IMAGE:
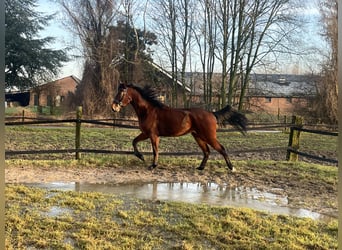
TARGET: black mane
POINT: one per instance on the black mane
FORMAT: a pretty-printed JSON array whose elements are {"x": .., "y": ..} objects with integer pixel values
[{"x": 149, "y": 94}]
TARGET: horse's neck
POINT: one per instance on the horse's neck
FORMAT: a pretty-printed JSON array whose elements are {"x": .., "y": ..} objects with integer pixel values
[{"x": 140, "y": 105}]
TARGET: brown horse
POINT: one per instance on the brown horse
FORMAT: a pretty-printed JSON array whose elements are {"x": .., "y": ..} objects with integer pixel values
[{"x": 156, "y": 119}]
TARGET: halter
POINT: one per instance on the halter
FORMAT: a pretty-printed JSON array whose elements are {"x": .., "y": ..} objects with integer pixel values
[{"x": 123, "y": 93}]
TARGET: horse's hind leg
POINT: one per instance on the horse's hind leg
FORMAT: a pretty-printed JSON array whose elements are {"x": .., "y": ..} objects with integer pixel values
[
  {"x": 155, "y": 144},
  {"x": 137, "y": 139},
  {"x": 205, "y": 148},
  {"x": 220, "y": 148}
]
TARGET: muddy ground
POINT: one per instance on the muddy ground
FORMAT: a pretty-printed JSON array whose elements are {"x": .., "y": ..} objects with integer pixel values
[{"x": 302, "y": 193}]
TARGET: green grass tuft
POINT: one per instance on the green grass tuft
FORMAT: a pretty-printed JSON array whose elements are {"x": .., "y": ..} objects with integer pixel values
[{"x": 100, "y": 221}]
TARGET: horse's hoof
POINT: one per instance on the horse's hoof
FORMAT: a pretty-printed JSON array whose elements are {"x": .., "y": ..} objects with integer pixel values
[
  {"x": 200, "y": 168},
  {"x": 140, "y": 156},
  {"x": 153, "y": 166},
  {"x": 233, "y": 169}
]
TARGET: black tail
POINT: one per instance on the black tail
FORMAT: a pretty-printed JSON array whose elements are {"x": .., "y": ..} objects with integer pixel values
[{"x": 233, "y": 117}]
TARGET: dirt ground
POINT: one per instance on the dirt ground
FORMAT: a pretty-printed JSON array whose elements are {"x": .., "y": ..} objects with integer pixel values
[{"x": 301, "y": 193}]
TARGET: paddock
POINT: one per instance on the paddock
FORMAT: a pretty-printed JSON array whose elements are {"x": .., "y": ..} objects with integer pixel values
[{"x": 105, "y": 160}]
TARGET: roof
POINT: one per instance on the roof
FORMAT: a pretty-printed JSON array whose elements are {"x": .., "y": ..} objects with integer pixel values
[
  {"x": 270, "y": 85},
  {"x": 119, "y": 59},
  {"x": 281, "y": 85},
  {"x": 76, "y": 79},
  {"x": 65, "y": 81},
  {"x": 12, "y": 89},
  {"x": 15, "y": 89},
  {"x": 167, "y": 74}
]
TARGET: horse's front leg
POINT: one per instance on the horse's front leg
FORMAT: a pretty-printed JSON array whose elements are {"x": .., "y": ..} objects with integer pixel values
[
  {"x": 155, "y": 144},
  {"x": 137, "y": 139}
]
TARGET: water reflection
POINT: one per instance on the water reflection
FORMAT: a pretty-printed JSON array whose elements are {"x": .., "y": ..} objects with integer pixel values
[{"x": 210, "y": 193}]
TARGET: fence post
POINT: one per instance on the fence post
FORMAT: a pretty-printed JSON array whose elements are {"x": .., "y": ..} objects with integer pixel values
[
  {"x": 285, "y": 122},
  {"x": 23, "y": 116},
  {"x": 297, "y": 121},
  {"x": 78, "y": 131}
]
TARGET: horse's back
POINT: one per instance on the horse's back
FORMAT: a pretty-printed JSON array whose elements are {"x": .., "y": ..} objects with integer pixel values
[
  {"x": 202, "y": 120},
  {"x": 173, "y": 122},
  {"x": 176, "y": 122}
]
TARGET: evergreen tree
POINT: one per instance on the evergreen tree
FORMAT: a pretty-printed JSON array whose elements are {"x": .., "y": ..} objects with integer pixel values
[{"x": 28, "y": 60}]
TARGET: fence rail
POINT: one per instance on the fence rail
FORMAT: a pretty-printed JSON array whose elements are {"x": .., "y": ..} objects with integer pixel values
[
  {"x": 292, "y": 149},
  {"x": 320, "y": 132},
  {"x": 294, "y": 139},
  {"x": 315, "y": 157},
  {"x": 123, "y": 152},
  {"x": 125, "y": 123}
]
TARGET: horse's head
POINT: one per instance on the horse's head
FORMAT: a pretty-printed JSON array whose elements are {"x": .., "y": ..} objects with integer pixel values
[{"x": 122, "y": 98}]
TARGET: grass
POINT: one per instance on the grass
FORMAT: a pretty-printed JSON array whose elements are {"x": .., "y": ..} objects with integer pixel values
[
  {"x": 33, "y": 111},
  {"x": 89, "y": 220},
  {"x": 42, "y": 219}
]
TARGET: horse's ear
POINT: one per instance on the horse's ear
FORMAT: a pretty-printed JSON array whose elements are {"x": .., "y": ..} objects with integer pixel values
[{"x": 122, "y": 86}]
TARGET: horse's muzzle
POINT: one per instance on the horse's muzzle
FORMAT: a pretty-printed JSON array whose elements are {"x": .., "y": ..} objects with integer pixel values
[{"x": 116, "y": 107}]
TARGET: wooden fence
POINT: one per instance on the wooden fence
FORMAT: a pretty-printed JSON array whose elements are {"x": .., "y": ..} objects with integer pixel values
[
  {"x": 294, "y": 141},
  {"x": 292, "y": 149}
]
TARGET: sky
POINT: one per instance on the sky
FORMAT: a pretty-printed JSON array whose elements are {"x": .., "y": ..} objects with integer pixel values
[{"x": 64, "y": 39}]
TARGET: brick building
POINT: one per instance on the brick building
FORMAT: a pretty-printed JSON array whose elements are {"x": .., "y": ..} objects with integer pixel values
[
  {"x": 53, "y": 93},
  {"x": 284, "y": 94},
  {"x": 281, "y": 94}
]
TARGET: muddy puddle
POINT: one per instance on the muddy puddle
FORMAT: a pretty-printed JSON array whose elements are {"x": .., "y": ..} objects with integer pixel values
[{"x": 273, "y": 201}]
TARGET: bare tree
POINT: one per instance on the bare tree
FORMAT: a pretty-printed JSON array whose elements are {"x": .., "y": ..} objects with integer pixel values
[
  {"x": 249, "y": 30},
  {"x": 205, "y": 32},
  {"x": 90, "y": 21},
  {"x": 163, "y": 16},
  {"x": 132, "y": 37},
  {"x": 222, "y": 23},
  {"x": 239, "y": 33},
  {"x": 173, "y": 22},
  {"x": 270, "y": 23},
  {"x": 212, "y": 34},
  {"x": 186, "y": 29},
  {"x": 328, "y": 89},
  {"x": 185, "y": 22}
]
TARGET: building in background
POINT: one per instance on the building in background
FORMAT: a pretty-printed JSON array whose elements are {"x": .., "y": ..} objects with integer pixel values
[
  {"x": 54, "y": 93},
  {"x": 281, "y": 94}
]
